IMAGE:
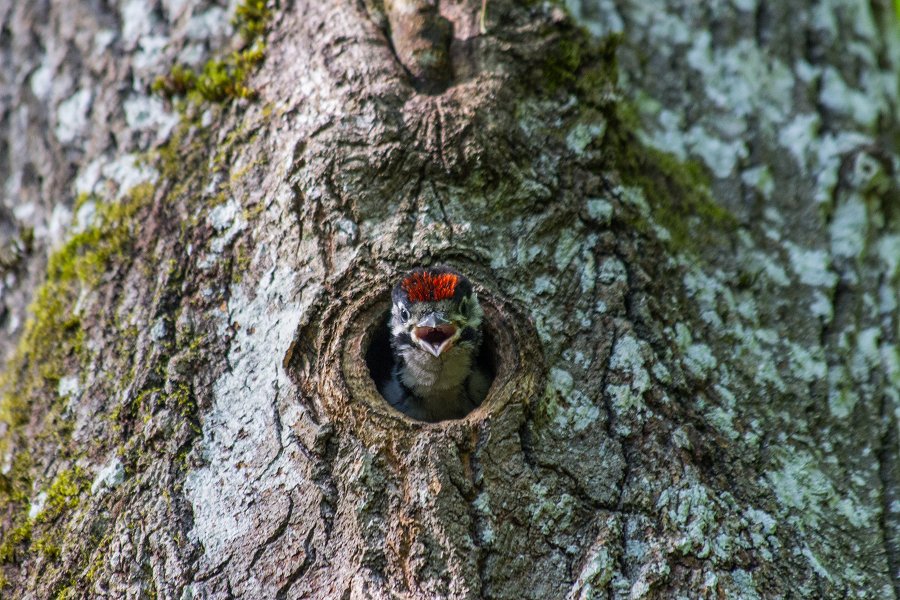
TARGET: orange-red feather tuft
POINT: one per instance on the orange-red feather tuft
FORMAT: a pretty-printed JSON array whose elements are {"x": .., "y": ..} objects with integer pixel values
[{"x": 423, "y": 287}]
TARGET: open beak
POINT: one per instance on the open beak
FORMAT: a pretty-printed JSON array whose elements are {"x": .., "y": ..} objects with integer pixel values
[{"x": 435, "y": 333}]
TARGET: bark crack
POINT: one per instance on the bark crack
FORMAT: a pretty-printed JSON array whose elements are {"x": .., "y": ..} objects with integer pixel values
[
  {"x": 526, "y": 443},
  {"x": 449, "y": 224},
  {"x": 472, "y": 467},
  {"x": 439, "y": 134},
  {"x": 302, "y": 568},
  {"x": 276, "y": 420},
  {"x": 279, "y": 531},
  {"x": 888, "y": 468}
]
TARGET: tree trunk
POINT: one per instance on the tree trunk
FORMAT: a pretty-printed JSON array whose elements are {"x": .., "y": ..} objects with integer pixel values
[{"x": 682, "y": 220}]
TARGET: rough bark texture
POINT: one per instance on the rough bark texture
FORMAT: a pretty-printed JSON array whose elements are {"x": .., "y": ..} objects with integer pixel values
[{"x": 682, "y": 219}]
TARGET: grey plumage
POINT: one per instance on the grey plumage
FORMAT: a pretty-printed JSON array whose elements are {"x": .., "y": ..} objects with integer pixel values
[{"x": 435, "y": 339}]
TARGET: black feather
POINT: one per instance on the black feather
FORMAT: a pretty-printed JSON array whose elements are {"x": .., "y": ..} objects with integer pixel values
[{"x": 470, "y": 334}]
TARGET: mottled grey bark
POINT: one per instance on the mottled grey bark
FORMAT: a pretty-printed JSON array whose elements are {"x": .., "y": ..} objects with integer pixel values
[{"x": 682, "y": 220}]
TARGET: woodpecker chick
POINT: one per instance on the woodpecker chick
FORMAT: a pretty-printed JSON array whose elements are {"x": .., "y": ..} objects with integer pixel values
[{"x": 435, "y": 327}]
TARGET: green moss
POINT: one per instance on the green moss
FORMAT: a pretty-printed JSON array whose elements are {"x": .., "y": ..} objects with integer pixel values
[
  {"x": 143, "y": 402},
  {"x": 250, "y": 213},
  {"x": 577, "y": 62},
  {"x": 87, "y": 254},
  {"x": 62, "y": 497},
  {"x": 96, "y": 563},
  {"x": 223, "y": 158},
  {"x": 17, "y": 536},
  {"x": 562, "y": 65},
  {"x": 182, "y": 400},
  {"x": 79, "y": 580},
  {"x": 240, "y": 264},
  {"x": 54, "y": 339},
  {"x": 251, "y": 18},
  {"x": 54, "y": 343},
  {"x": 80, "y": 200},
  {"x": 178, "y": 82},
  {"x": 67, "y": 593},
  {"x": 47, "y": 546},
  {"x": 181, "y": 155},
  {"x": 678, "y": 192},
  {"x": 222, "y": 79},
  {"x": 14, "y": 486},
  {"x": 52, "y": 346},
  {"x": 14, "y": 501}
]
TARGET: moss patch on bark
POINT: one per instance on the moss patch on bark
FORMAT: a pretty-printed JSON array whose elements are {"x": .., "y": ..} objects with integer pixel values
[
  {"x": 223, "y": 78},
  {"x": 52, "y": 346}
]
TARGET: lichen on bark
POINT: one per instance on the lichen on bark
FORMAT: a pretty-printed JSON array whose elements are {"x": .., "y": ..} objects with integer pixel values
[
  {"x": 703, "y": 385},
  {"x": 102, "y": 368}
]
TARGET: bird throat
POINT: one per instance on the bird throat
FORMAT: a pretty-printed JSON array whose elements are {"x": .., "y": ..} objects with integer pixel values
[{"x": 436, "y": 379}]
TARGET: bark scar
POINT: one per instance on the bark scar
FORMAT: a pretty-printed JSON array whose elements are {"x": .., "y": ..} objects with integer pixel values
[{"x": 420, "y": 38}]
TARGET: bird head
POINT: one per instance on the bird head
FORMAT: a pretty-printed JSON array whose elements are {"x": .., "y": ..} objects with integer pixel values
[{"x": 435, "y": 310}]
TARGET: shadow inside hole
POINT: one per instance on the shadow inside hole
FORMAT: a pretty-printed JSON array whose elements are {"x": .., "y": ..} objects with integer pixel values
[{"x": 380, "y": 356}]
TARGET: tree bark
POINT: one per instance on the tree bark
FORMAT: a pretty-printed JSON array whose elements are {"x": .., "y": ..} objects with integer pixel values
[{"x": 682, "y": 221}]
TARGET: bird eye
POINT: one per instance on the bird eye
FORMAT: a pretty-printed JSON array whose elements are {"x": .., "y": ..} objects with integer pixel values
[{"x": 404, "y": 314}]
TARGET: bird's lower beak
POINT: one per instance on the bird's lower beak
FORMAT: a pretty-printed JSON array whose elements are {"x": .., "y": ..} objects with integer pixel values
[{"x": 435, "y": 333}]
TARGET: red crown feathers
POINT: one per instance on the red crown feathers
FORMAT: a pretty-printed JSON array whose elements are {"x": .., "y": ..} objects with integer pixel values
[{"x": 422, "y": 287}]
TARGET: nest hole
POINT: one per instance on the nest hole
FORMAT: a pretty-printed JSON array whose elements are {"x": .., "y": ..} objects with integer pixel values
[{"x": 379, "y": 357}]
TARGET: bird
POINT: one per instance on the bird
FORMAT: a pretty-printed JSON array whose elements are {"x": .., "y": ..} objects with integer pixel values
[{"x": 435, "y": 327}]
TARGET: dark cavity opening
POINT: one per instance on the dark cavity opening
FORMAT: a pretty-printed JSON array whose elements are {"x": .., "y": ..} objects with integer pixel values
[{"x": 380, "y": 357}]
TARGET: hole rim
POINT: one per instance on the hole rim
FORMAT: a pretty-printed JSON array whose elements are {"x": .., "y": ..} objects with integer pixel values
[{"x": 510, "y": 338}]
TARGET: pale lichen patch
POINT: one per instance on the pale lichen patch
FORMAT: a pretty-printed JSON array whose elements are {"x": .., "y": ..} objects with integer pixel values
[
  {"x": 240, "y": 433},
  {"x": 482, "y": 504},
  {"x": 596, "y": 573},
  {"x": 797, "y": 136},
  {"x": 574, "y": 412},
  {"x": 72, "y": 116},
  {"x": 37, "y": 505},
  {"x": 888, "y": 249},
  {"x": 149, "y": 113},
  {"x": 849, "y": 227},
  {"x": 760, "y": 178},
  {"x": 599, "y": 210},
  {"x": 700, "y": 360},
  {"x": 806, "y": 365},
  {"x": 550, "y": 512},
  {"x": 567, "y": 247},
  {"x": 611, "y": 271},
  {"x": 631, "y": 381},
  {"x": 821, "y": 306},
  {"x": 809, "y": 493},
  {"x": 778, "y": 344},
  {"x": 584, "y": 134},
  {"x": 109, "y": 477},
  {"x": 114, "y": 177},
  {"x": 69, "y": 387},
  {"x": 812, "y": 266},
  {"x": 846, "y": 100}
]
